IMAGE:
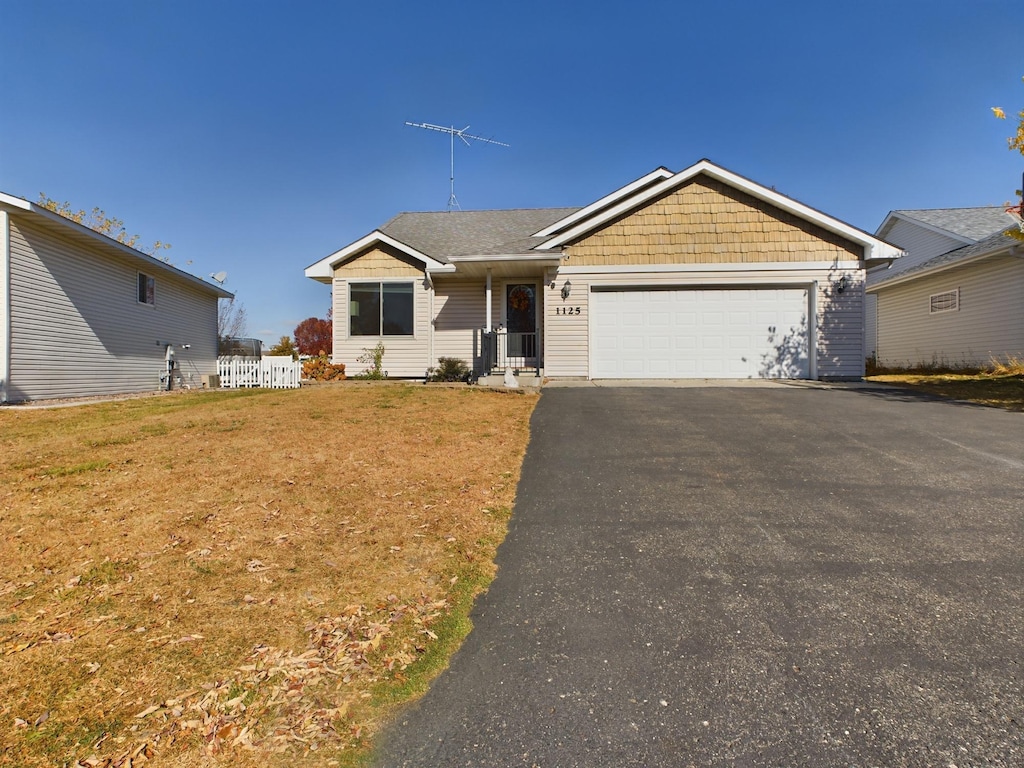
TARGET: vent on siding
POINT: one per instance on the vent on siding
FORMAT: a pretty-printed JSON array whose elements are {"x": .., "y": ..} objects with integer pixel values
[{"x": 944, "y": 302}]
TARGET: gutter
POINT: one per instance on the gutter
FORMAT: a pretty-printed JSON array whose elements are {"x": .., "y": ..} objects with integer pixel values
[{"x": 913, "y": 274}]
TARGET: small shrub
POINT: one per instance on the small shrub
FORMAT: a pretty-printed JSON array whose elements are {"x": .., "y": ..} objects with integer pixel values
[
  {"x": 320, "y": 368},
  {"x": 449, "y": 369},
  {"x": 374, "y": 359}
]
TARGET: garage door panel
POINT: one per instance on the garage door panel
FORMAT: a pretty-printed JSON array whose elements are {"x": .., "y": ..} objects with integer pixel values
[{"x": 705, "y": 333}]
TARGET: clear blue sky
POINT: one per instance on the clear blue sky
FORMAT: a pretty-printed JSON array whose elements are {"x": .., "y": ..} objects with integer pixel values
[{"x": 259, "y": 137}]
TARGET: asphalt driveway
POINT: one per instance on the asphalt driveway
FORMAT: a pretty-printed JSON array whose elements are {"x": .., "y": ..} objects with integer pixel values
[{"x": 753, "y": 577}]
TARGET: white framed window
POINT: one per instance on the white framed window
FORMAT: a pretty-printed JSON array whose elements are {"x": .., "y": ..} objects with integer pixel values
[
  {"x": 147, "y": 289},
  {"x": 948, "y": 301},
  {"x": 380, "y": 309}
]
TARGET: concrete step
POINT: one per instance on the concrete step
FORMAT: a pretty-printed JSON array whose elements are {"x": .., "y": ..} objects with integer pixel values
[{"x": 526, "y": 380}]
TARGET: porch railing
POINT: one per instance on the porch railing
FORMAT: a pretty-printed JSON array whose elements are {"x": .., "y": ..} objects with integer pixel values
[{"x": 506, "y": 349}]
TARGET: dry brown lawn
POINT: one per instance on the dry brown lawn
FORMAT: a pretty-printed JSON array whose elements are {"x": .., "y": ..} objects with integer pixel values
[
  {"x": 241, "y": 578},
  {"x": 998, "y": 390}
]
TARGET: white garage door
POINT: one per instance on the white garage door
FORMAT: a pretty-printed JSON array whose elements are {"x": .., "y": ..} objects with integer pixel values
[{"x": 702, "y": 334}]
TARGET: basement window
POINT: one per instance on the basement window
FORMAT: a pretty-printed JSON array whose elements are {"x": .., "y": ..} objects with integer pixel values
[
  {"x": 147, "y": 289},
  {"x": 380, "y": 309},
  {"x": 944, "y": 302}
]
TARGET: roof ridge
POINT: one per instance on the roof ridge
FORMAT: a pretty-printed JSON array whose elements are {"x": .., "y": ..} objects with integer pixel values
[{"x": 494, "y": 210}]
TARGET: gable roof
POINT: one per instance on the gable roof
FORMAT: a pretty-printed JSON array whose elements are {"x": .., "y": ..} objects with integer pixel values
[
  {"x": 438, "y": 238},
  {"x": 969, "y": 225},
  {"x": 441, "y": 239},
  {"x": 874, "y": 248},
  {"x": 83, "y": 236},
  {"x": 994, "y": 245}
]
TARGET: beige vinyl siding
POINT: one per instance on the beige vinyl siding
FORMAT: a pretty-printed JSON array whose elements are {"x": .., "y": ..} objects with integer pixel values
[
  {"x": 566, "y": 336},
  {"x": 404, "y": 356},
  {"x": 989, "y": 322},
  {"x": 708, "y": 222},
  {"x": 840, "y": 330},
  {"x": 839, "y": 339},
  {"x": 459, "y": 309},
  {"x": 77, "y": 328}
]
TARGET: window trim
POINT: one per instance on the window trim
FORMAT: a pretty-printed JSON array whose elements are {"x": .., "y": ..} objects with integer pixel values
[
  {"x": 380, "y": 283},
  {"x": 937, "y": 302},
  {"x": 150, "y": 289}
]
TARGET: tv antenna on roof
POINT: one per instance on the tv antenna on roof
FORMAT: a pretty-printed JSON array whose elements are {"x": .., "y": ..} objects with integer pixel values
[
  {"x": 452, "y": 132},
  {"x": 219, "y": 277}
]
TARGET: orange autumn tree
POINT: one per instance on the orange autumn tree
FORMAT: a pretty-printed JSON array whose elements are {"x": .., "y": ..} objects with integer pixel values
[{"x": 1015, "y": 143}]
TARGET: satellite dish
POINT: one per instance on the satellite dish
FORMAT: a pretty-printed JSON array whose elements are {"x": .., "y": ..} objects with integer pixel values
[{"x": 219, "y": 277}]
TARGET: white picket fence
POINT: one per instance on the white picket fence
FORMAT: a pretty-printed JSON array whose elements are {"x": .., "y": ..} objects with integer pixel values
[{"x": 269, "y": 372}]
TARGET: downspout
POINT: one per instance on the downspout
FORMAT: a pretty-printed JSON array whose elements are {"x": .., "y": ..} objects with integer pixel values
[
  {"x": 433, "y": 317},
  {"x": 812, "y": 331},
  {"x": 488, "y": 352},
  {"x": 5, "y": 306},
  {"x": 487, "y": 320}
]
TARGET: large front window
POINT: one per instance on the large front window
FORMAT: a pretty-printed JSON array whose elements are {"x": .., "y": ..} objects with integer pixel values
[{"x": 380, "y": 309}]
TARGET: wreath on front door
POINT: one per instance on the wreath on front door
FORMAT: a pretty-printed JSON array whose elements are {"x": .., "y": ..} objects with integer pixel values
[{"x": 520, "y": 298}]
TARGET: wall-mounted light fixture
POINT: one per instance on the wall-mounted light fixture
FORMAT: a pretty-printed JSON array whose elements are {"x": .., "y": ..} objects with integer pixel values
[
  {"x": 566, "y": 290},
  {"x": 841, "y": 284}
]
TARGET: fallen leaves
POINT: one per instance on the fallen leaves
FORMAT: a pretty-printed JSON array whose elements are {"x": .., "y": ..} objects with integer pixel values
[{"x": 275, "y": 701}]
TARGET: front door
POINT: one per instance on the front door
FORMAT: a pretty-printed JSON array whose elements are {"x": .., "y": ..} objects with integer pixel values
[{"x": 521, "y": 316}]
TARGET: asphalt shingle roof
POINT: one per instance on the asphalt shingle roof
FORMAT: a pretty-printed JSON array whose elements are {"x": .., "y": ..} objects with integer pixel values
[
  {"x": 993, "y": 244},
  {"x": 444, "y": 234},
  {"x": 973, "y": 223}
]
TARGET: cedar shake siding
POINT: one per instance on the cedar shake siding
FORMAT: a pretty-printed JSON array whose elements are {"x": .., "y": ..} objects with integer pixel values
[
  {"x": 708, "y": 222},
  {"x": 381, "y": 261},
  {"x": 78, "y": 329}
]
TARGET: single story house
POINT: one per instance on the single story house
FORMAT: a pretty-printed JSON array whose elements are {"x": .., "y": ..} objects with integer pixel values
[
  {"x": 697, "y": 274},
  {"x": 82, "y": 314},
  {"x": 955, "y": 298}
]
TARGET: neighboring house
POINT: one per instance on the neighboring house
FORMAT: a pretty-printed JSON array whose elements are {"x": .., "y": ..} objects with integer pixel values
[
  {"x": 81, "y": 314},
  {"x": 956, "y": 298},
  {"x": 696, "y": 274}
]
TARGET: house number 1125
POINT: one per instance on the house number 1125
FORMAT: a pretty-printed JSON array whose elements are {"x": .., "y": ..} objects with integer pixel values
[{"x": 567, "y": 310}]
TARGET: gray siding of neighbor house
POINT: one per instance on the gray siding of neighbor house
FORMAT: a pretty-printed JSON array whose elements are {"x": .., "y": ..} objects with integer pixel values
[
  {"x": 920, "y": 245},
  {"x": 870, "y": 325},
  {"x": 77, "y": 328},
  {"x": 989, "y": 322}
]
